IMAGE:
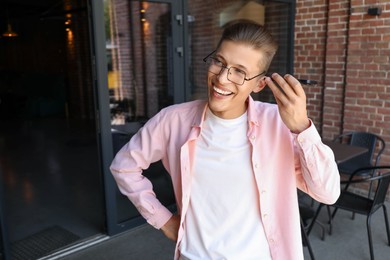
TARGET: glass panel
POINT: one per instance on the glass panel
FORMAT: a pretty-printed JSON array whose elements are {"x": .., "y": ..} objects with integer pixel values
[
  {"x": 49, "y": 154},
  {"x": 139, "y": 73},
  {"x": 205, "y": 29},
  {"x": 139, "y": 52}
]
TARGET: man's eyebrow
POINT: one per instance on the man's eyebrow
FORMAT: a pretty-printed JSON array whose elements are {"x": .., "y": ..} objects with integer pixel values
[
  {"x": 240, "y": 66},
  {"x": 219, "y": 56}
]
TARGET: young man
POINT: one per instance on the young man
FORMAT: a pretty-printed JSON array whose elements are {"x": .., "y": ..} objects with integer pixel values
[{"x": 235, "y": 163}]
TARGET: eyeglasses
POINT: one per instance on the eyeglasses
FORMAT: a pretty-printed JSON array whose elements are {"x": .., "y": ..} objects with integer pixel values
[{"x": 235, "y": 75}]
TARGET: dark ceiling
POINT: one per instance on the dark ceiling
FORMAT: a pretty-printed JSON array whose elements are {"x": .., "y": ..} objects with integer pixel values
[
  {"x": 19, "y": 9},
  {"x": 15, "y": 10},
  {"x": 22, "y": 11}
]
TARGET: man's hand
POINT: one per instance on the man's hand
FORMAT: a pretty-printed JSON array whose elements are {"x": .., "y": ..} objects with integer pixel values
[
  {"x": 291, "y": 101},
  {"x": 171, "y": 228}
]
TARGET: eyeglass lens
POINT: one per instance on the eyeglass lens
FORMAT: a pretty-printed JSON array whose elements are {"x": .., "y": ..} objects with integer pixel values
[{"x": 234, "y": 75}]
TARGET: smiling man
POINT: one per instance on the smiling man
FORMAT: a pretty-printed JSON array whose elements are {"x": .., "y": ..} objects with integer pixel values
[{"x": 235, "y": 163}]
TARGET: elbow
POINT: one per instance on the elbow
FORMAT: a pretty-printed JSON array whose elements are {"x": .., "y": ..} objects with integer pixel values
[
  {"x": 333, "y": 198},
  {"x": 332, "y": 186},
  {"x": 331, "y": 194},
  {"x": 329, "y": 191}
]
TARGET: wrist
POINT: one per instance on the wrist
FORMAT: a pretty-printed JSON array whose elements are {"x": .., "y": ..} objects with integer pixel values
[{"x": 302, "y": 128}]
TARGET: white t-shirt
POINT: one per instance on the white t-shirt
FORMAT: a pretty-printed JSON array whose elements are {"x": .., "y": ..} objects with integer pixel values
[{"x": 223, "y": 220}]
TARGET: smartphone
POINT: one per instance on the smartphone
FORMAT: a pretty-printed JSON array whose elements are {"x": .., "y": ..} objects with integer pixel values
[{"x": 308, "y": 82}]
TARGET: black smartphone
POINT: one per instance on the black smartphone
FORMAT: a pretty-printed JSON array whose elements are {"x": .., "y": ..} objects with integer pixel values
[{"x": 307, "y": 81}]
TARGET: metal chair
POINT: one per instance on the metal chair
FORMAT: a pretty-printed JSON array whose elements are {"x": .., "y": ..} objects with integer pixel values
[
  {"x": 366, "y": 205},
  {"x": 375, "y": 145}
]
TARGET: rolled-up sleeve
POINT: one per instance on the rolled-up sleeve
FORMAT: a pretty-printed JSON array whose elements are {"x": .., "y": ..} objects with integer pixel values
[{"x": 316, "y": 168}]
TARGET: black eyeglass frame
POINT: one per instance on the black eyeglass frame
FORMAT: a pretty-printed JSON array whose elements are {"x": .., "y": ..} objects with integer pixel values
[{"x": 225, "y": 67}]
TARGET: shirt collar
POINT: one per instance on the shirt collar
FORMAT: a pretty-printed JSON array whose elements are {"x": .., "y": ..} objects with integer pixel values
[
  {"x": 198, "y": 120},
  {"x": 252, "y": 113},
  {"x": 251, "y": 109}
]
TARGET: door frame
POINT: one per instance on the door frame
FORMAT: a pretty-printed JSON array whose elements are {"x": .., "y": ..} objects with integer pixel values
[
  {"x": 102, "y": 100},
  {"x": 5, "y": 243}
]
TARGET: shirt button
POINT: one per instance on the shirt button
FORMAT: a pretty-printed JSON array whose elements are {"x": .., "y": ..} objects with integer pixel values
[
  {"x": 272, "y": 241},
  {"x": 265, "y": 216},
  {"x": 263, "y": 192},
  {"x": 256, "y": 165},
  {"x": 253, "y": 137}
]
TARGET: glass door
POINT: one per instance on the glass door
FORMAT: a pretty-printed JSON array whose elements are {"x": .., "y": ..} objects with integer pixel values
[
  {"x": 51, "y": 186},
  {"x": 143, "y": 48}
]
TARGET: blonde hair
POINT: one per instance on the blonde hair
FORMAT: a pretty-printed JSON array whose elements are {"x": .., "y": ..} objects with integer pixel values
[{"x": 253, "y": 34}]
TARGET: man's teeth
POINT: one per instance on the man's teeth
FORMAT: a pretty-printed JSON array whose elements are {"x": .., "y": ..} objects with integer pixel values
[{"x": 222, "y": 92}]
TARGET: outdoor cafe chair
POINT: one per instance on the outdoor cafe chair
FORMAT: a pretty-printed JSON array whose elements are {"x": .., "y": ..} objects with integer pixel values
[
  {"x": 351, "y": 200},
  {"x": 375, "y": 145}
]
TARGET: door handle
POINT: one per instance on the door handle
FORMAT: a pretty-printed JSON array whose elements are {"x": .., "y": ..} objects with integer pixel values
[
  {"x": 179, "y": 50},
  {"x": 179, "y": 19}
]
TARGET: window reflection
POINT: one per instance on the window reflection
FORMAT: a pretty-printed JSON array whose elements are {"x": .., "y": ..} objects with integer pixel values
[{"x": 138, "y": 53}]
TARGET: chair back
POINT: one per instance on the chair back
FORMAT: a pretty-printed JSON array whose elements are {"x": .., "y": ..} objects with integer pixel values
[
  {"x": 381, "y": 190},
  {"x": 119, "y": 139},
  {"x": 366, "y": 140}
]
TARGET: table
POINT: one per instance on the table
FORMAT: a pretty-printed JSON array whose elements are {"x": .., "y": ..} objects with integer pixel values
[{"x": 344, "y": 152}]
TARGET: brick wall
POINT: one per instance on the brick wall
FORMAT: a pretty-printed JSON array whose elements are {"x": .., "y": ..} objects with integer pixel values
[{"x": 347, "y": 51}]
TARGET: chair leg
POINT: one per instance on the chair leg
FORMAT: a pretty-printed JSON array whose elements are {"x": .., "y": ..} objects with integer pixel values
[
  {"x": 370, "y": 237},
  {"x": 334, "y": 212},
  {"x": 322, "y": 230},
  {"x": 387, "y": 223},
  {"x": 314, "y": 218},
  {"x": 306, "y": 240},
  {"x": 330, "y": 217}
]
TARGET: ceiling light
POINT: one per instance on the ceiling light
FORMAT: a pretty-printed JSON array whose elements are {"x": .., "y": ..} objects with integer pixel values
[{"x": 9, "y": 32}]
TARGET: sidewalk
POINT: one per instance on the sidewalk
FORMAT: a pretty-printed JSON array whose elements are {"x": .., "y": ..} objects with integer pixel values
[
  {"x": 348, "y": 241},
  {"x": 143, "y": 242}
]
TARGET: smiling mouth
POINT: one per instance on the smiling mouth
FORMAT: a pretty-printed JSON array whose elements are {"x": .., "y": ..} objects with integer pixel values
[{"x": 222, "y": 92}]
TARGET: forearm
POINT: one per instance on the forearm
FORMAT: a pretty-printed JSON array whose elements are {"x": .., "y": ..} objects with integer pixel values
[{"x": 140, "y": 192}]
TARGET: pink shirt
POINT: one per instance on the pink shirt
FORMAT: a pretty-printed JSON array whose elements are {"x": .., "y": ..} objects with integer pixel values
[{"x": 281, "y": 162}]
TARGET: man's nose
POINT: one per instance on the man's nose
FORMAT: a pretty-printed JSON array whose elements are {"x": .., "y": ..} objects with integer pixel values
[{"x": 223, "y": 75}]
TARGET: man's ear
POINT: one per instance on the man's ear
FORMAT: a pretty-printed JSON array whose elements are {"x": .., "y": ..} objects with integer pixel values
[{"x": 260, "y": 85}]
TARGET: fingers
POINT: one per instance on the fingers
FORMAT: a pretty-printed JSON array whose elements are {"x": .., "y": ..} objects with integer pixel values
[
  {"x": 171, "y": 228},
  {"x": 291, "y": 99},
  {"x": 289, "y": 88},
  {"x": 279, "y": 95}
]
